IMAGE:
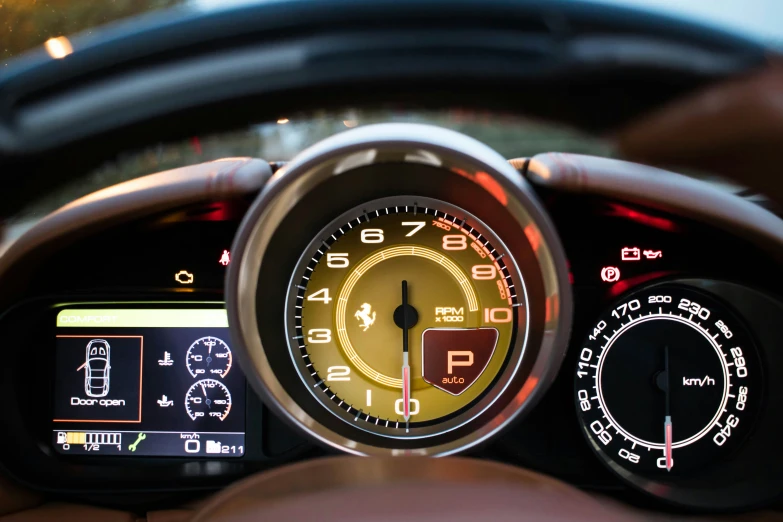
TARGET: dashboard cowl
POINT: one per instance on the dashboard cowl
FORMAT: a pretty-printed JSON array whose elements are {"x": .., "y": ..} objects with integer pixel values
[
  {"x": 653, "y": 187},
  {"x": 218, "y": 179}
]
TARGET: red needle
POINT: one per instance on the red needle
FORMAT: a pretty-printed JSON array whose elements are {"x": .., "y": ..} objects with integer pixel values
[
  {"x": 669, "y": 459},
  {"x": 667, "y": 423},
  {"x": 406, "y": 388}
]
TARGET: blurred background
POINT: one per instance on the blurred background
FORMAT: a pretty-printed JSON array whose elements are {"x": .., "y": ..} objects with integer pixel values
[{"x": 28, "y": 24}]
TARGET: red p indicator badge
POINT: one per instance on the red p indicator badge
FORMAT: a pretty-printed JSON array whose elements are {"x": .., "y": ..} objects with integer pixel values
[{"x": 454, "y": 358}]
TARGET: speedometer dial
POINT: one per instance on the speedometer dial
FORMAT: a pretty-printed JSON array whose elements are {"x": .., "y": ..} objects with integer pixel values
[
  {"x": 667, "y": 382},
  {"x": 405, "y": 314}
]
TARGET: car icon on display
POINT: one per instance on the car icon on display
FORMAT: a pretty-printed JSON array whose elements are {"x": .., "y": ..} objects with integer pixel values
[{"x": 97, "y": 365}]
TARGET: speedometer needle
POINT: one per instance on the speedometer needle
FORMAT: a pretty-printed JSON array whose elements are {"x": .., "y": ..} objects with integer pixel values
[
  {"x": 667, "y": 424},
  {"x": 668, "y": 427},
  {"x": 406, "y": 369}
]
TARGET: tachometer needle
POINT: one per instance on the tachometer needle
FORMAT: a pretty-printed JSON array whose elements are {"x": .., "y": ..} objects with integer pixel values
[
  {"x": 406, "y": 369},
  {"x": 667, "y": 424}
]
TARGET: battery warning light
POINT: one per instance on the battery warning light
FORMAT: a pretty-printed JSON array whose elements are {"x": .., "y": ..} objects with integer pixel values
[
  {"x": 225, "y": 259},
  {"x": 631, "y": 254},
  {"x": 635, "y": 254}
]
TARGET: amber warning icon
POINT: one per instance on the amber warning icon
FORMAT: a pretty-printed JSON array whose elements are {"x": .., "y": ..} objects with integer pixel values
[{"x": 454, "y": 358}]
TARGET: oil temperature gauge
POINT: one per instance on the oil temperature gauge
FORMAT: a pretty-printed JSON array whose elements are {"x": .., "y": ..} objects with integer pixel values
[
  {"x": 668, "y": 381},
  {"x": 209, "y": 357},
  {"x": 208, "y": 398}
]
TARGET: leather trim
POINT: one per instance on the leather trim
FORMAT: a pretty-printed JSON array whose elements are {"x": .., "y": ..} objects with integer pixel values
[
  {"x": 13, "y": 498},
  {"x": 404, "y": 488},
  {"x": 224, "y": 178},
  {"x": 662, "y": 189},
  {"x": 733, "y": 128},
  {"x": 71, "y": 513}
]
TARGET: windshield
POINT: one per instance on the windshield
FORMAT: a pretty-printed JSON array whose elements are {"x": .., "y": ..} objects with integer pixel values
[
  {"x": 754, "y": 19},
  {"x": 511, "y": 136},
  {"x": 27, "y": 24}
]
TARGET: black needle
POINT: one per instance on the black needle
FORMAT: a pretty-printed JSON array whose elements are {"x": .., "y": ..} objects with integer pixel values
[
  {"x": 404, "y": 317},
  {"x": 667, "y": 387}
]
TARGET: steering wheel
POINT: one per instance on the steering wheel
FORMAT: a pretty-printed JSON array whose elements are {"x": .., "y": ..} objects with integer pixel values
[
  {"x": 417, "y": 489},
  {"x": 187, "y": 72}
]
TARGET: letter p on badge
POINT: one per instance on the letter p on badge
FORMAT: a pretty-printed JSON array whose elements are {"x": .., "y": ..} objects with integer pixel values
[
  {"x": 454, "y": 371},
  {"x": 459, "y": 358}
]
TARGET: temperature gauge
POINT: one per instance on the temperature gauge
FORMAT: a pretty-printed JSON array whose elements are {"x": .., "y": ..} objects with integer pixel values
[
  {"x": 208, "y": 398},
  {"x": 209, "y": 357}
]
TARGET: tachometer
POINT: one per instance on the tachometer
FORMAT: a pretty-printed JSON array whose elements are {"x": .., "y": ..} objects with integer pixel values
[
  {"x": 405, "y": 314},
  {"x": 398, "y": 289},
  {"x": 668, "y": 382}
]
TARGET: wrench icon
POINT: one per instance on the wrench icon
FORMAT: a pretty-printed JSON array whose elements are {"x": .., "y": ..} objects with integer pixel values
[{"x": 141, "y": 437}]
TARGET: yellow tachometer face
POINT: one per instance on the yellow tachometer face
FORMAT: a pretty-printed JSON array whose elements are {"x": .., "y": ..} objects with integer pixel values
[{"x": 404, "y": 315}]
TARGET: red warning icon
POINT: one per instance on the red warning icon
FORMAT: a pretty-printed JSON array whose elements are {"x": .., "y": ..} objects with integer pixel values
[{"x": 454, "y": 358}]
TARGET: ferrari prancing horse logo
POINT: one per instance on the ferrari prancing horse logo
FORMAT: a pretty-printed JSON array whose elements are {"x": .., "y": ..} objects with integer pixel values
[{"x": 366, "y": 316}]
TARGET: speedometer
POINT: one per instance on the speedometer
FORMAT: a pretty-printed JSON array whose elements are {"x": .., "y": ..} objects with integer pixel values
[
  {"x": 668, "y": 382},
  {"x": 405, "y": 313}
]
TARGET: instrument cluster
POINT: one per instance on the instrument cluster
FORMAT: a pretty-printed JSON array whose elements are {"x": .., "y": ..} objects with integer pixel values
[
  {"x": 146, "y": 380},
  {"x": 429, "y": 303},
  {"x": 403, "y": 290}
]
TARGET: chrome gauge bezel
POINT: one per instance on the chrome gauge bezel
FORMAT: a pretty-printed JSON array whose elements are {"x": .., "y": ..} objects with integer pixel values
[{"x": 446, "y": 160}]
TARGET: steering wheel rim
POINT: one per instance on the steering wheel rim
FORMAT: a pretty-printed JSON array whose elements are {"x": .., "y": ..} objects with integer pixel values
[
  {"x": 157, "y": 77},
  {"x": 454, "y": 488}
]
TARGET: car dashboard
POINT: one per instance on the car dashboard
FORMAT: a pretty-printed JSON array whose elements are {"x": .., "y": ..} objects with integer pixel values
[
  {"x": 313, "y": 253},
  {"x": 167, "y": 411}
]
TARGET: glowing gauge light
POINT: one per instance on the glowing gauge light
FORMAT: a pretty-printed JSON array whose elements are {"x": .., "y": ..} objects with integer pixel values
[
  {"x": 209, "y": 357},
  {"x": 404, "y": 316},
  {"x": 667, "y": 382},
  {"x": 394, "y": 255},
  {"x": 208, "y": 399}
]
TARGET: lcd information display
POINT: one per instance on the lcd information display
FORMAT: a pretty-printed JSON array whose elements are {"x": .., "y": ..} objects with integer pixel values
[{"x": 147, "y": 382}]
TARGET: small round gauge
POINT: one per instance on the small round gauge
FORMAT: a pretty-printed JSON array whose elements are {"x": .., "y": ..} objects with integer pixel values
[
  {"x": 208, "y": 398},
  {"x": 668, "y": 382},
  {"x": 209, "y": 357},
  {"x": 405, "y": 315}
]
